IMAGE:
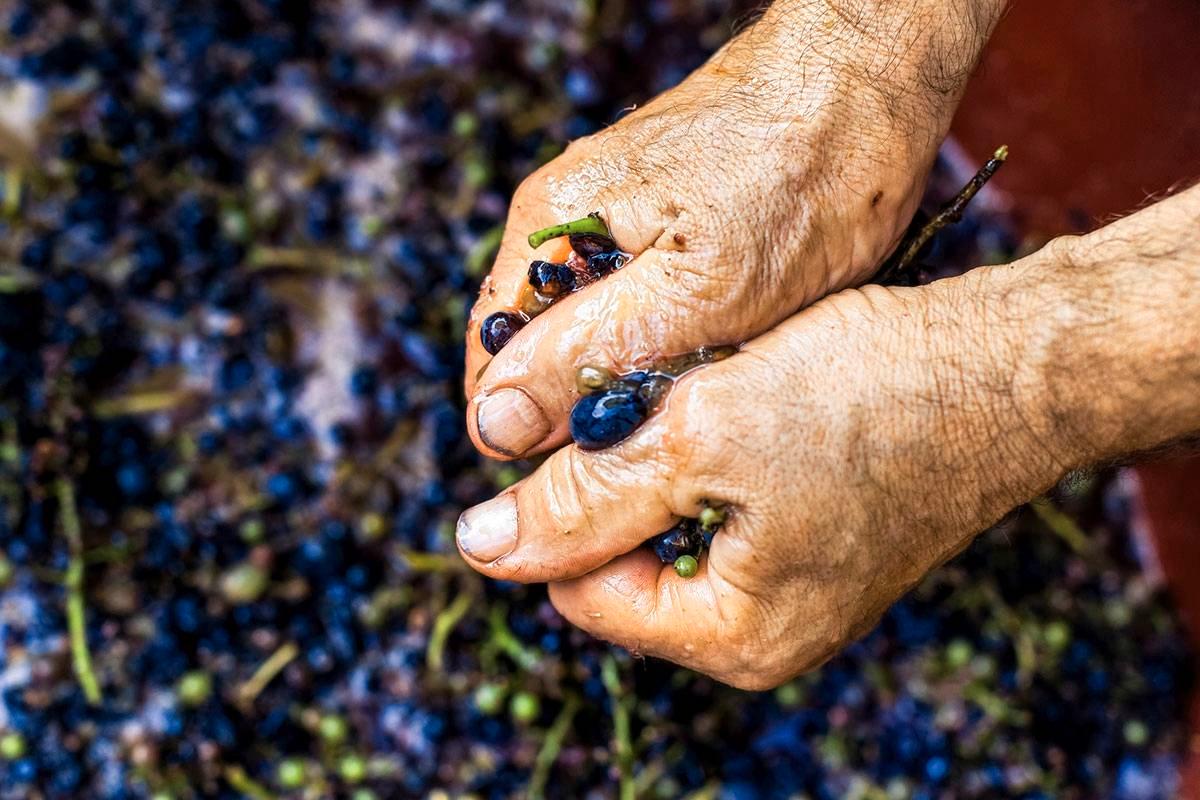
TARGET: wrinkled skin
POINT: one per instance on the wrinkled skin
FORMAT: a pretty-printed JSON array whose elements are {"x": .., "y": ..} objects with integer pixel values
[
  {"x": 857, "y": 443},
  {"x": 757, "y": 186}
]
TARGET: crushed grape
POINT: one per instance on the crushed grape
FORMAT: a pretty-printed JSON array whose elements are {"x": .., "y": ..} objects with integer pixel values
[
  {"x": 683, "y": 539},
  {"x": 551, "y": 280}
]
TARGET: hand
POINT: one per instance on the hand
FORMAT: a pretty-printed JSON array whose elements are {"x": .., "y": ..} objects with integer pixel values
[
  {"x": 785, "y": 168},
  {"x": 858, "y": 445}
]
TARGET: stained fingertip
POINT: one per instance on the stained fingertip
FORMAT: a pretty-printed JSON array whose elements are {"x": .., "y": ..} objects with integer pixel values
[
  {"x": 502, "y": 294},
  {"x": 510, "y": 422}
]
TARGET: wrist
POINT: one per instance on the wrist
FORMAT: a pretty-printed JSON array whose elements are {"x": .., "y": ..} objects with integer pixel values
[
  {"x": 912, "y": 58},
  {"x": 964, "y": 396},
  {"x": 1117, "y": 358},
  {"x": 1103, "y": 333}
]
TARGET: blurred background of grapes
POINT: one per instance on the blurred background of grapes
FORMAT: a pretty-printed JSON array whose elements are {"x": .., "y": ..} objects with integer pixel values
[{"x": 238, "y": 241}]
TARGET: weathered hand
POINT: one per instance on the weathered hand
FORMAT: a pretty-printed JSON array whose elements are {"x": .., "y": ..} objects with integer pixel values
[
  {"x": 858, "y": 445},
  {"x": 785, "y": 168}
]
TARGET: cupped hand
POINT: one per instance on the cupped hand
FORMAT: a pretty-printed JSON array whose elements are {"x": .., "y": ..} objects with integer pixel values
[
  {"x": 856, "y": 446},
  {"x": 786, "y": 167}
]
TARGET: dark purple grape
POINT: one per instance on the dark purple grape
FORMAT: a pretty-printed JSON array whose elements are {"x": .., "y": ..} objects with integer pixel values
[
  {"x": 601, "y": 420},
  {"x": 590, "y": 244},
  {"x": 684, "y": 539},
  {"x": 498, "y": 329},
  {"x": 551, "y": 280},
  {"x": 602, "y": 264}
]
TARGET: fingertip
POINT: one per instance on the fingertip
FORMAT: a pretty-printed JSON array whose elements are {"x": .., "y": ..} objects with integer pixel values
[
  {"x": 509, "y": 422},
  {"x": 475, "y": 363},
  {"x": 487, "y": 532},
  {"x": 502, "y": 290}
]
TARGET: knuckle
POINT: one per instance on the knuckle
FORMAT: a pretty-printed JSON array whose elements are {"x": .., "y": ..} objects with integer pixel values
[
  {"x": 754, "y": 665},
  {"x": 698, "y": 439},
  {"x": 568, "y": 487},
  {"x": 694, "y": 286},
  {"x": 533, "y": 188}
]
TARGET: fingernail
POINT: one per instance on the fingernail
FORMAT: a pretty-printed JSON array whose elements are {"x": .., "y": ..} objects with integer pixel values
[
  {"x": 489, "y": 530},
  {"x": 510, "y": 422}
]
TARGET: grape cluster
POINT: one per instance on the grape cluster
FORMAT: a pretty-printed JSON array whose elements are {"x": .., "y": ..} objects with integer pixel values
[{"x": 239, "y": 244}]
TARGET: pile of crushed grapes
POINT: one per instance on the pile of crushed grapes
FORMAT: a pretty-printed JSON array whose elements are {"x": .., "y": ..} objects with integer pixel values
[{"x": 238, "y": 243}]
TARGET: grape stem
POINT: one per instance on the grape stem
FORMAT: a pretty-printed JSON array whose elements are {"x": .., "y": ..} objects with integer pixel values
[
  {"x": 620, "y": 713},
  {"x": 443, "y": 625},
  {"x": 250, "y": 690},
  {"x": 1062, "y": 525},
  {"x": 418, "y": 561},
  {"x": 301, "y": 259},
  {"x": 904, "y": 258},
  {"x": 81, "y": 657},
  {"x": 551, "y": 746},
  {"x": 14, "y": 180},
  {"x": 592, "y": 223},
  {"x": 525, "y": 657},
  {"x": 236, "y": 777}
]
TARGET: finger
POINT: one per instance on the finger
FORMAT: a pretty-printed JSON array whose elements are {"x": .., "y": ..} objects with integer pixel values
[
  {"x": 657, "y": 306},
  {"x": 571, "y": 187},
  {"x": 643, "y": 606},
  {"x": 580, "y": 509}
]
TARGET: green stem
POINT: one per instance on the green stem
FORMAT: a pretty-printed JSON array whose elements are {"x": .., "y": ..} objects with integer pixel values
[
  {"x": 650, "y": 773},
  {"x": 443, "y": 624},
  {"x": 81, "y": 657},
  {"x": 1062, "y": 525},
  {"x": 13, "y": 184},
  {"x": 525, "y": 657},
  {"x": 484, "y": 251},
  {"x": 241, "y": 782},
  {"x": 433, "y": 562},
  {"x": 266, "y": 672},
  {"x": 708, "y": 791},
  {"x": 302, "y": 259},
  {"x": 592, "y": 223},
  {"x": 140, "y": 403},
  {"x": 77, "y": 626},
  {"x": 111, "y": 553},
  {"x": 620, "y": 712},
  {"x": 551, "y": 746}
]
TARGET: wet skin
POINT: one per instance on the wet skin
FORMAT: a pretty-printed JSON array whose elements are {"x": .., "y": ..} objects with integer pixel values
[
  {"x": 857, "y": 443},
  {"x": 767, "y": 179}
]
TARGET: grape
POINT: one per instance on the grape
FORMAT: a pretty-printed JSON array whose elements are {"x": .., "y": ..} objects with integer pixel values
[
  {"x": 605, "y": 418},
  {"x": 551, "y": 280},
  {"x": 683, "y": 539},
  {"x": 498, "y": 328}
]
